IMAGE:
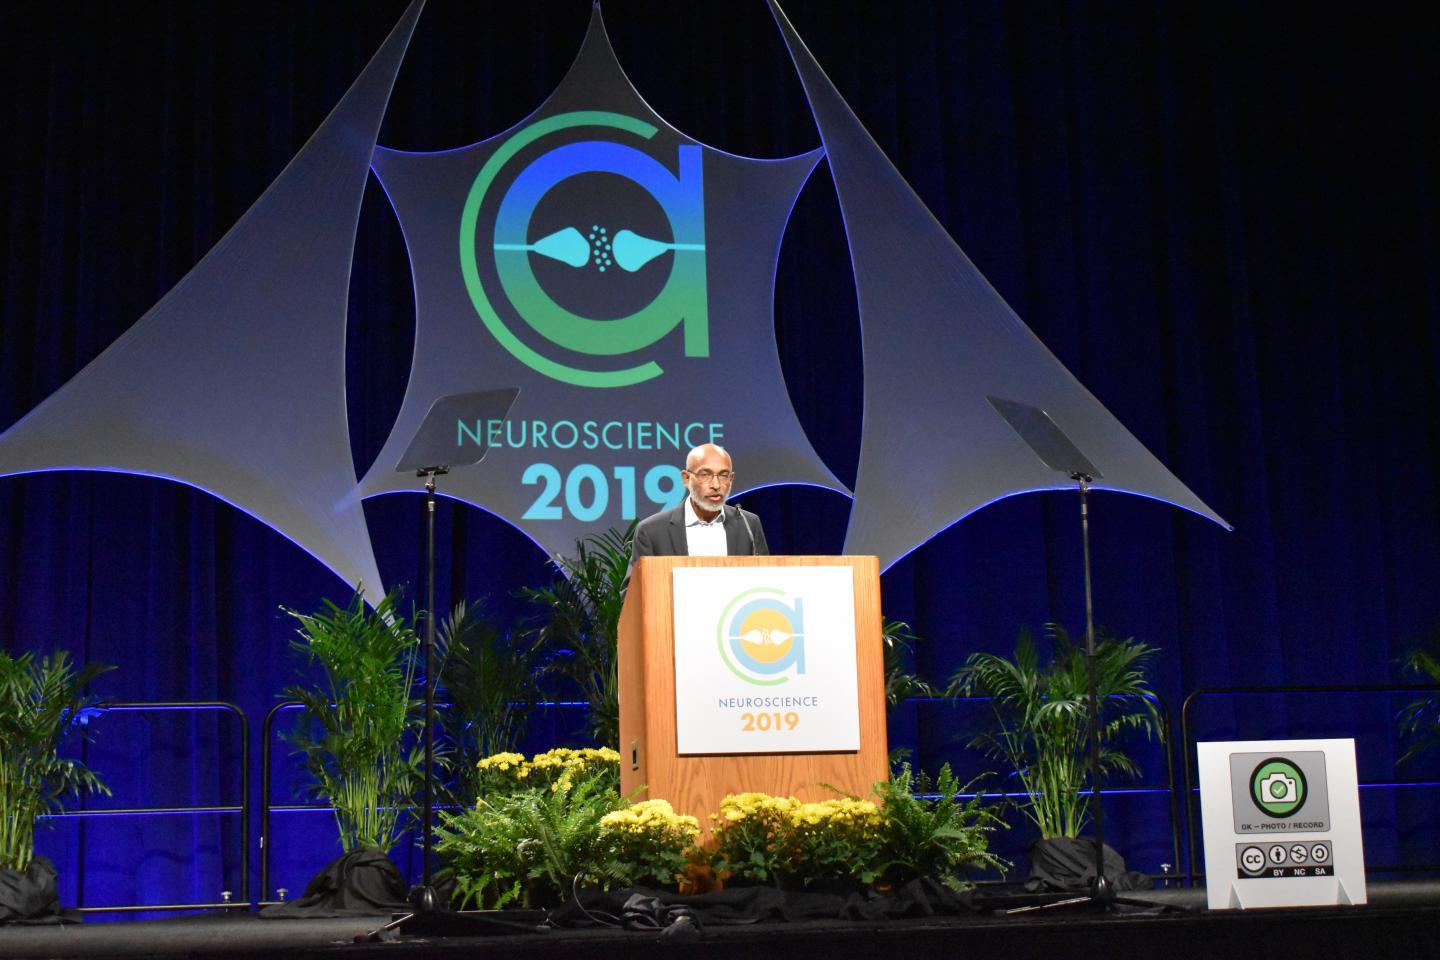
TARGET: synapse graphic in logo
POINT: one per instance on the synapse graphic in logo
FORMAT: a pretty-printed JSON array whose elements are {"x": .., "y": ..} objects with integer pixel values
[
  {"x": 528, "y": 244},
  {"x": 762, "y": 639},
  {"x": 1277, "y": 787}
]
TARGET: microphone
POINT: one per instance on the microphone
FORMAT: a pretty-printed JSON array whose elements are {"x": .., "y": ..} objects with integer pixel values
[{"x": 745, "y": 520}]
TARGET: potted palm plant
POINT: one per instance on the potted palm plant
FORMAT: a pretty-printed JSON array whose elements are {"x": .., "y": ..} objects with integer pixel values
[
  {"x": 1041, "y": 722},
  {"x": 580, "y": 623},
  {"x": 491, "y": 681},
  {"x": 41, "y": 704},
  {"x": 357, "y": 725},
  {"x": 1420, "y": 719},
  {"x": 900, "y": 683}
]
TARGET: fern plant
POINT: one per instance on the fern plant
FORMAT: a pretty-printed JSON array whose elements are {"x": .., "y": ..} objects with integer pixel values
[
  {"x": 41, "y": 704},
  {"x": 357, "y": 726},
  {"x": 1042, "y": 719},
  {"x": 580, "y": 623},
  {"x": 528, "y": 847},
  {"x": 928, "y": 830}
]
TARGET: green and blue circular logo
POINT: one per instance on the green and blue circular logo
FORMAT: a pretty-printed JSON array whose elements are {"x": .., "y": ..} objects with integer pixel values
[
  {"x": 576, "y": 287},
  {"x": 762, "y": 638},
  {"x": 1277, "y": 787}
]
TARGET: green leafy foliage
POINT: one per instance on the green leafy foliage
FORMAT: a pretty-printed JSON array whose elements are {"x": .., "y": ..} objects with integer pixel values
[
  {"x": 41, "y": 704},
  {"x": 832, "y": 840},
  {"x": 1420, "y": 719},
  {"x": 492, "y": 682},
  {"x": 527, "y": 847},
  {"x": 580, "y": 624},
  {"x": 1042, "y": 716},
  {"x": 928, "y": 830},
  {"x": 751, "y": 835},
  {"x": 781, "y": 840},
  {"x": 900, "y": 682},
  {"x": 358, "y": 726},
  {"x": 646, "y": 844},
  {"x": 557, "y": 819}
]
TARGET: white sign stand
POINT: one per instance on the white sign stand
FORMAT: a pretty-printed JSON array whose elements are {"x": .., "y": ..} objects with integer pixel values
[{"x": 1281, "y": 820}]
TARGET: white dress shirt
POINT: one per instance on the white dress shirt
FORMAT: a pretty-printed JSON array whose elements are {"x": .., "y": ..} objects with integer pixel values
[{"x": 704, "y": 539}]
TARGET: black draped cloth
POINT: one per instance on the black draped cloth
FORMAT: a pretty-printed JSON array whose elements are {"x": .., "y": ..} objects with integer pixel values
[
  {"x": 30, "y": 895},
  {"x": 360, "y": 883},
  {"x": 640, "y": 908}
]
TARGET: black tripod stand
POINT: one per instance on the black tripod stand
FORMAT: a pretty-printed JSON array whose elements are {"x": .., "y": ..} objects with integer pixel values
[
  {"x": 437, "y": 446},
  {"x": 1056, "y": 451}
]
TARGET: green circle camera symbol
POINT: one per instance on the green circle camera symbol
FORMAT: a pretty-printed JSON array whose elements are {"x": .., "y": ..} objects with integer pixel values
[{"x": 1278, "y": 788}]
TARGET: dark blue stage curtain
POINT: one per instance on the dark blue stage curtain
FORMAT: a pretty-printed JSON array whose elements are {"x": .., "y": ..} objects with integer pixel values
[
  {"x": 235, "y": 381},
  {"x": 946, "y": 363},
  {"x": 1221, "y": 218}
]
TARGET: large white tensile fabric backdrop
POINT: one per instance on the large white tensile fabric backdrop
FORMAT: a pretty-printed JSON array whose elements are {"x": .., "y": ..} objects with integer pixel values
[{"x": 622, "y": 275}]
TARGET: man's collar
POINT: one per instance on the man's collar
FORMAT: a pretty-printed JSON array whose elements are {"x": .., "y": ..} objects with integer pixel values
[{"x": 692, "y": 518}]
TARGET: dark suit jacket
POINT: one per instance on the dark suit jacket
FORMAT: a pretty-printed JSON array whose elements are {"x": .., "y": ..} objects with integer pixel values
[{"x": 663, "y": 535}]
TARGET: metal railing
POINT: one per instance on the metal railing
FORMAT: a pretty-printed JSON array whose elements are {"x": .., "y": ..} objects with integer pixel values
[
  {"x": 267, "y": 741},
  {"x": 1192, "y": 791},
  {"x": 267, "y": 730},
  {"x": 242, "y": 808}
]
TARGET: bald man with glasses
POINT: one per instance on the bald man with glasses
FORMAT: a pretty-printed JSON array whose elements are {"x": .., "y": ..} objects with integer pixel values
[{"x": 704, "y": 525}]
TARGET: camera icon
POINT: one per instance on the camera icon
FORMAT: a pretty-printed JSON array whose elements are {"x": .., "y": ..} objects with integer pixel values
[{"x": 1278, "y": 788}]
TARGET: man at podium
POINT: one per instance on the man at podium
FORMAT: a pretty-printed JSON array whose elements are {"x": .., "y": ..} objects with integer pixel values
[{"x": 703, "y": 525}]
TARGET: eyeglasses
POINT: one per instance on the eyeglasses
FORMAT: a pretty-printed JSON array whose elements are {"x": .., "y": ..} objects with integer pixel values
[{"x": 705, "y": 476}]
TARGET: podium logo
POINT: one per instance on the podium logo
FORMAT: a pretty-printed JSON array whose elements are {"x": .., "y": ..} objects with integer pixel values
[
  {"x": 587, "y": 275},
  {"x": 1277, "y": 787},
  {"x": 762, "y": 638}
]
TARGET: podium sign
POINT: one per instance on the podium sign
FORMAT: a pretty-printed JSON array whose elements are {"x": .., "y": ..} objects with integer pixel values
[
  {"x": 1282, "y": 823},
  {"x": 765, "y": 660},
  {"x": 788, "y": 647}
]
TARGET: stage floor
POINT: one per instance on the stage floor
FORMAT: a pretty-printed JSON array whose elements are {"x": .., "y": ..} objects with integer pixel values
[{"x": 1400, "y": 922}]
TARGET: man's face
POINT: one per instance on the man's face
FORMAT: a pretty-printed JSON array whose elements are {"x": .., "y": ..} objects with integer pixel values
[{"x": 707, "y": 478}]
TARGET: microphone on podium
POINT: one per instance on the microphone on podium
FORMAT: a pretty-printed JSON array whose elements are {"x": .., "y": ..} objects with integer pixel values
[{"x": 745, "y": 520}]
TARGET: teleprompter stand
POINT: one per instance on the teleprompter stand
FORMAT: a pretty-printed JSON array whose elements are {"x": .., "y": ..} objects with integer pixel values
[
  {"x": 436, "y": 448},
  {"x": 1042, "y": 435}
]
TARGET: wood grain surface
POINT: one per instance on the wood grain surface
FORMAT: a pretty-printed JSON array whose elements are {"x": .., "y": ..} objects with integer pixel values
[{"x": 696, "y": 784}]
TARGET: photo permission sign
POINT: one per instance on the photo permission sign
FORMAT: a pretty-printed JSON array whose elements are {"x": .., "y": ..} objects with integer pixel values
[{"x": 1282, "y": 823}]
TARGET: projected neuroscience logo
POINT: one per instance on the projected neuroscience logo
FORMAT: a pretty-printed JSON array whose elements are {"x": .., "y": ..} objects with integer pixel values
[
  {"x": 588, "y": 284},
  {"x": 597, "y": 259},
  {"x": 761, "y": 638}
]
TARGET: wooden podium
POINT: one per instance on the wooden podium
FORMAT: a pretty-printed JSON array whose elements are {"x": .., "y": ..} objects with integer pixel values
[{"x": 695, "y": 784}]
